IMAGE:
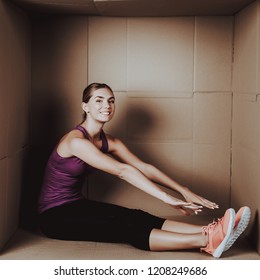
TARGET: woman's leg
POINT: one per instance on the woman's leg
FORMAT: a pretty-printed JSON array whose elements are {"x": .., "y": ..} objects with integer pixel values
[
  {"x": 212, "y": 238},
  {"x": 162, "y": 240},
  {"x": 176, "y": 235},
  {"x": 98, "y": 221},
  {"x": 181, "y": 227}
]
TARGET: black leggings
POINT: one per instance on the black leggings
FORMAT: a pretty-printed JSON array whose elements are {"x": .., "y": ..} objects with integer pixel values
[{"x": 86, "y": 220}]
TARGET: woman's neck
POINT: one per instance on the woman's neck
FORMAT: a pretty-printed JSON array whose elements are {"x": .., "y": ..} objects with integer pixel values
[{"x": 93, "y": 130}]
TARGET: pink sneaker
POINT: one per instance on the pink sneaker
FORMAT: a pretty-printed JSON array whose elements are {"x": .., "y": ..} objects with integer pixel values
[
  {"x": 218, "y": 233},
  {"x": 241, "y": 222}
]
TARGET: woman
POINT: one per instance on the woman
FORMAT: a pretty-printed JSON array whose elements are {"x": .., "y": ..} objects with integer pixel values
[{"x": 66, "y": 214}]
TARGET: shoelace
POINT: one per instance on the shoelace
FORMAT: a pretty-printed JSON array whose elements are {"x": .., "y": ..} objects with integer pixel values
[{"x": 211, "y": 226}]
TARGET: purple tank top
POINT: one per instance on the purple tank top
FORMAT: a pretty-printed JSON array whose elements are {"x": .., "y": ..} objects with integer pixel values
[{"x": 64, "y": 177}]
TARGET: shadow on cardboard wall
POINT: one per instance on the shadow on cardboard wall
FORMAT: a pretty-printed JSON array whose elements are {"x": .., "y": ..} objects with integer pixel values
[{"x": 46, "y": 122}]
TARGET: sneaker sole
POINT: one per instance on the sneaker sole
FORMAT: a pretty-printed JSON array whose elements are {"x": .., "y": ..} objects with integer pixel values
[
  {"x": 220, "y": 249},
  {"x": 242, "y": 225}
]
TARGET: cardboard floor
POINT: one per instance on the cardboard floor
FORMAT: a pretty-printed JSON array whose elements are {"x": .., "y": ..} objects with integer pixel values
[{"x": 27, "y": 245}]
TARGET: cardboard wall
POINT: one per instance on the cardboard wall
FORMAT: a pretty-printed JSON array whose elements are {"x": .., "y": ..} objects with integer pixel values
[
  {"x": 176, "y": 108},
  {"x": 173, "y": 95},
  {"x": 59, "y": 74},
  {"x": 15, "y": 83},
  {"x": 246, "y": 116},
  {"x": 169, "y": 81}
]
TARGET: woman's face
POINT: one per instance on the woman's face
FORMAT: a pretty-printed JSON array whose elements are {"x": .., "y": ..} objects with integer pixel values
[{"x": 101, "y": 106}]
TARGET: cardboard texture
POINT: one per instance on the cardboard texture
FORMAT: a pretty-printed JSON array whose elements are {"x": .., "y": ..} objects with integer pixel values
[
  {"x": 15, "y": 81},
  {"x": 246, "y": 116},
  {"x": 188, "y": 138},
  {"x": 17, "y": 75},
  {"x": 173, "y": 92},
  {"x": 4, "y": 68},
  {"x": 187, "y": 135},
  {"x": 173, "y": 158},
  {"x": 245, "y": 158},
  {"x": 19, "y": 94},
  {"x": 108, "y": 43},
  {"x": 4, "y": 234},
  {"x": 3, "y": 115},
  {"x": 15, "y": 168},
  {"x": 213, "y": 53},
  {"x": 165, "y": 48},
  {"x": 59, "y": 75},
  {"x": 246, "y": 50},
  {"x": 14, "y": 123},
  {"x": 212, "y": 118},
  {"x": 159, "y": 119}
]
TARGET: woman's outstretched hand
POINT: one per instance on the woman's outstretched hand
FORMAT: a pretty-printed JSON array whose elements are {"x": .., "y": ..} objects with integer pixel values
[
  {"x": 186, "y": 208},
  {"x": 199, "y": 200}
]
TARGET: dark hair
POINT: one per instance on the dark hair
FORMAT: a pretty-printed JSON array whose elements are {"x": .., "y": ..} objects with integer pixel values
[{"x": 87, "y": 93}]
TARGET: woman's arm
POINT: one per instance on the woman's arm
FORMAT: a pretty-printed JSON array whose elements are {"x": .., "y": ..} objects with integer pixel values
[
  {"x": 89, "y": 153},
  {"x": 120, "y": 151}
]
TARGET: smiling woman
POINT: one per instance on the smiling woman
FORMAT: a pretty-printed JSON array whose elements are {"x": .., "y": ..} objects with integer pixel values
[
  {"x": 66, "y": 214},
  {"x": 103, "y": 101}
]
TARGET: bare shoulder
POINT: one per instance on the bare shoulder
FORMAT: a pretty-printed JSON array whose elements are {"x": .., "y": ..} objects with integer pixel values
[
  {"x": 71, "y": 135},
  {"x": 75, "y": 133},
  {"x": 64, "y": 145}
]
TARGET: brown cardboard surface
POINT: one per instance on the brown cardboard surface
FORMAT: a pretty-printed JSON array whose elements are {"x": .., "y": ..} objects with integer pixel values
[
  {"x": 15, "y": 168},
  {"x": 172, "y": 80},
  {"x": 3, "y": 115},
  {"x": 15, "y": 91},
  {"x": 211, "y": 172},
  {"x": 3, "y": 203},
  {"x": 107, "y": 51},
  {"x": 212, "y": 113},
  {"x": 246, "y": 117},
  {"x": 59, "y": 76},
  {"x": 246, "y": 51},
  {"x": 245, "y": 158},
  {"x": 213, "y": 49},
  {"x": 175, "y": 159},
  {"x": 160, "y": 54},
  {"x": 159, "y": 119}
]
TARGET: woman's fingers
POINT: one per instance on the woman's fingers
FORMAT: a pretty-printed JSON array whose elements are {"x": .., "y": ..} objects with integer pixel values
[
  {"x": 193, "y": 206},
  {"x": 206, "y": 203},
  {"x": 187, "y": 208},
  {"x": 188, "y": 211},
  {"x": 194, "y": 198},
  {"x": 210, "y": 204}
]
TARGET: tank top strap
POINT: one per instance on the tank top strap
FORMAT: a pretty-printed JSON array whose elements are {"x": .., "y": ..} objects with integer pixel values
[
  {"x": 83, "y": 130},
  {"x": 104, "y": 147}
]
